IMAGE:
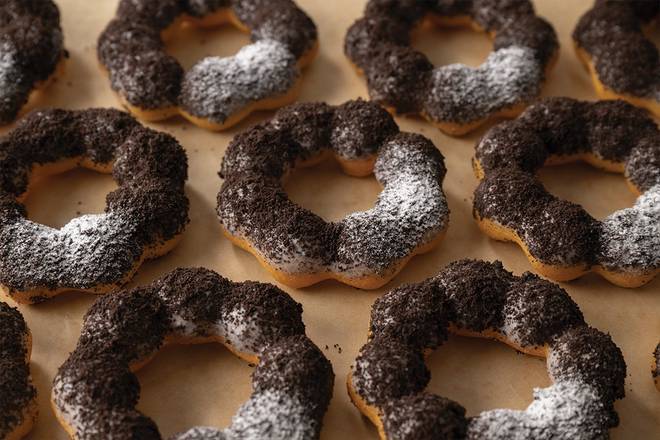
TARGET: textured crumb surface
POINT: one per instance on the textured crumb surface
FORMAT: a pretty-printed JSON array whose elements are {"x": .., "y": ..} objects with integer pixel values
[
  {"x": 559, "y": 232},
  {"x": 179, "y": 397},
  {"x": 409, "y": 213},
  {"x": 587, "y": 368},
  {"x": 95, "y": 392}
]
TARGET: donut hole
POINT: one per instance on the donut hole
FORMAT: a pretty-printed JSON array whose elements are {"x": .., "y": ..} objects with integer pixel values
[
  {"x": 458, "y": 372},
  {"x": 330, "y": 193},
  {"x": 444, "y": 44},
  {"x": 207, "y": 395},
  {"x": 599, "y": 192},
  {"x": 56, "y": 199},
  {"x": 189, "y": 44}
]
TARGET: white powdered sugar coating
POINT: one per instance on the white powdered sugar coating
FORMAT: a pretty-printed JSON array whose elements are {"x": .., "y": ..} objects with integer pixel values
[
  {"x": 462, "y": 94},
  {"x": 10, "y": 75},
  {"x": 201, "y": 8},
  {"x": 268, "y": 414},
  {"x": 200, "y": 433},
  {"x": 568, "y": 410},
  {"x": 89, "y": 250},
  {"x": 409, "y": 213},
  {"x": 216, "y": 88},
  {"x": 242, "y": 330},
  {"x": 631, "y": 236},
  {"x": 273, "y": 415}
]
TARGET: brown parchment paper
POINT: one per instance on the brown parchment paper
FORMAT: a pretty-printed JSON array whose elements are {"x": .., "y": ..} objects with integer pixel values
[{"x": 186, "y": 386}]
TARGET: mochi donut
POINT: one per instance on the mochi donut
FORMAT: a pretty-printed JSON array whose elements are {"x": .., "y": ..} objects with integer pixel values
[
  {"x": 456, "y": 98},
  {"x": 561, "y": 240},
  {"x": 481, "y": 299},
  {"x": 31, "y": 52},
  {"x": 623, "y": 63},
  {"x": 18, "y": 397},
  {"x": 144, "y": 217},
  {"x": 365, "y": 249},
  {"x": 215, "y": 93},
  {"x": 95, "y": 391}
]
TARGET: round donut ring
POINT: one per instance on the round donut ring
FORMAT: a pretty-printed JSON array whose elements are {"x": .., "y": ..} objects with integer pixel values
[
  {"x": 561, "y": 240},
  {"x": 31, "y": 52},
  {"x": 143, "y": 218},
  {"x": 215, "y": 93},
  {"x": 365, "y": 249},
  {"x": 482, "y": 299},
  {"x": 95, "y": 391},
  {"x": 623, "y": 63},
  {"x": 18, "y": 397},
  {"x": 456, "y": 98}
]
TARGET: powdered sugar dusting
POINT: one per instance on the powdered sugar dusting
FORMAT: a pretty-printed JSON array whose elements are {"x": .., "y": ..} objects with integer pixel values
[
  {"x": 11, "y": 78},
  {"x": 274, "y": 415},
  {"x": 201, "y": 433},
  {"x": 241, "y": 330},
  {"x": 410, "y": 212},
  {"x": 87, "y": 251},
  {"x": 215, "y": 88},
  {"x": 631, "y": 236},
  {"x": 565, "y": 410},
  {"x": 463, "y": 94}
]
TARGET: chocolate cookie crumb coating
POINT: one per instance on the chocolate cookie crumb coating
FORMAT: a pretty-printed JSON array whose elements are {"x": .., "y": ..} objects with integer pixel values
[
  {"x": 131, "y": 48},
  {"x": 613, "y": 134},
  {"x": 534, "y": 315},
  {"x": 625, "y": 60},
  {"x": 95, "y": 391},
  {"x": 655, "y": 370},
  {"x": 411, "y": 212},
  {"x": 148, "y": 209},
  {"x": 31, "y": 47},
  {"x": 17, "y": 394},
  {"x": 404, "y": 79}
]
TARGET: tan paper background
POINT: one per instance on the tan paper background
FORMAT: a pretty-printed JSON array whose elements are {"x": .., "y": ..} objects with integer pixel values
[{"x": 187, "y": 386}]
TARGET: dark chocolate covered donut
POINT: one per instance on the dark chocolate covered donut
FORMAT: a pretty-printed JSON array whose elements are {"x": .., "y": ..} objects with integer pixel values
[
  {"x": 95, "y": 391},
  {"x": 31, "y": 47},
  {"x": 456, "y": 98},
  {"x": 561, "y": 239},
  {"x": 477, "y": 298},
  {"x": 365, "y": 249},
  {"x": 216, "y": 92},
  {"x": 96, "y": 253},
  {"x": 624, "y": 63}
]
